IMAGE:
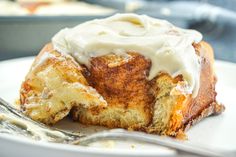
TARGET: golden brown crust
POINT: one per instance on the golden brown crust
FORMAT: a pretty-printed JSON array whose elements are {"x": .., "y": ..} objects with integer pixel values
[{"x": 206, "y": 94}]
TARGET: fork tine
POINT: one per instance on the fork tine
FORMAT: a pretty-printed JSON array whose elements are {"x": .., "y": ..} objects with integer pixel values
[{"x": 9, "y": 116}]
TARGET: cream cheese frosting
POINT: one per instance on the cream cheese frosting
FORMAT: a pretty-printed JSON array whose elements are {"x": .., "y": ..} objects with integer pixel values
[{"x": 168, "y": 47}]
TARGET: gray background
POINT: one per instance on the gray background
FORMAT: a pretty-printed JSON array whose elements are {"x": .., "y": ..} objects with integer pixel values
[{"x": 25, "y": 36}]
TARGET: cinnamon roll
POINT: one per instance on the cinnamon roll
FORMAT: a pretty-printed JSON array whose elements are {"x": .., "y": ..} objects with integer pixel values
[{"x": 125, "y": 71}]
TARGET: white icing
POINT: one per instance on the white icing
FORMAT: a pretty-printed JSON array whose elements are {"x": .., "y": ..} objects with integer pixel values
[{"x": 168, "y": 47}]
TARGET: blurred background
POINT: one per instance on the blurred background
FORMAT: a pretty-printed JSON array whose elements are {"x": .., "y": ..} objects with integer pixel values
[{"x": 27, "y": 25}]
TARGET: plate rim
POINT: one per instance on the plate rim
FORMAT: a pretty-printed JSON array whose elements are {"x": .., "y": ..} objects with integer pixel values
[{"x": 81, "y": 149}]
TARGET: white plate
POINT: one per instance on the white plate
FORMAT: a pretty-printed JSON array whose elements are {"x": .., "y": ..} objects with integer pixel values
[{"x": 216, "y": 132}]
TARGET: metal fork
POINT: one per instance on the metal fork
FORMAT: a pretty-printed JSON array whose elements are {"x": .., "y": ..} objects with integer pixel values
[
  {"x": 121, "y": 134},
  {"x": 15, "y": 122}
]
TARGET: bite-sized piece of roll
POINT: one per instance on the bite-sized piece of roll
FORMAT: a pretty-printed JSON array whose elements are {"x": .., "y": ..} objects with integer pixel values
[{"x": 139, "y": 73}]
